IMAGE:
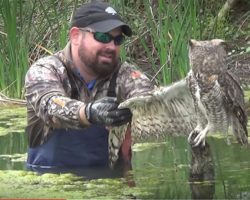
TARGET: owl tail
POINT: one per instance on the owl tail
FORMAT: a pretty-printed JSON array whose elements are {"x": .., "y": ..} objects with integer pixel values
[{"x": 239, "y": 126}]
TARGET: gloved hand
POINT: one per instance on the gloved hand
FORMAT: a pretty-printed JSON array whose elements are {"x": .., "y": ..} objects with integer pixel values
[{"x": 105, "y": 112}]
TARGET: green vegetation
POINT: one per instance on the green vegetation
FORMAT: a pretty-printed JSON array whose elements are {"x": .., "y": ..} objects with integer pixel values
[
  {"x": 160, "y": 170},
  {"x": 13, "y": 57},
  {"x": 162, "y": 30},
  {"x": 30, "y": 29},
  {"x": 12, "y": 120}
]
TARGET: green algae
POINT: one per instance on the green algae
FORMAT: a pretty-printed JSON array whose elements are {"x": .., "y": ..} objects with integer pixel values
[
  {"x": 24, "y": 184},
  {"x": 14, "y": 157},
  {"x": 12, "y": 120},
  {"x": 160, "y": 170}
]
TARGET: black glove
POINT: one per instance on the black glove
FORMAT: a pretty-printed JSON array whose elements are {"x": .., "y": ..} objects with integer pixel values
[{"x": 105, "y": 112}]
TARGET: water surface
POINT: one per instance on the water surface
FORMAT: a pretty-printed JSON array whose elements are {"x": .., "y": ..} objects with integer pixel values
[{"x": 165, "y": 170}]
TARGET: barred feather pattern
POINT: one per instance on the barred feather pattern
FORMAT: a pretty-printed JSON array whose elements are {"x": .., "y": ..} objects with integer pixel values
[
  {"x": 217, "y": 95},
  {"x": 236, "y": 107},
  {"x": 116, "y": 137},
  {"x": 210, "y": 107},
  {"x": 165, "y": 111}
]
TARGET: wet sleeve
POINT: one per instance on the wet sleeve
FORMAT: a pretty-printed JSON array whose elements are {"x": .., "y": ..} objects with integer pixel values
[{"x": 46, "y": 95}]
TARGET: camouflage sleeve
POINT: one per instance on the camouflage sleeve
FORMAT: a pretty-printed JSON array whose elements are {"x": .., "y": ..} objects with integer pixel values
[
  {"x": 132, "y": 82},
  {"x": 47, "y": 97}
]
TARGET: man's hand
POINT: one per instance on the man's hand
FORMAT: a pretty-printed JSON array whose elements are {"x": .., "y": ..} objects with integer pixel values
[{"x": 105, "y": 112}]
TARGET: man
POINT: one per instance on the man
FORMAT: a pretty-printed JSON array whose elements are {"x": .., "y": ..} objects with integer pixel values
[{"x": 70, "y": 95}]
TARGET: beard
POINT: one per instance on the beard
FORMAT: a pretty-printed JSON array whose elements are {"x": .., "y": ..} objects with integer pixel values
[{"x": 100, "y": 68}]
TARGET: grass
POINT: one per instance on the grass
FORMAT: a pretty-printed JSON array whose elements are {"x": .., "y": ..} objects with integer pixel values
[
  {"x": 162, "y": 29},
  {"x": 14, "y": 56},
  {"x": 31, "y": 29}
]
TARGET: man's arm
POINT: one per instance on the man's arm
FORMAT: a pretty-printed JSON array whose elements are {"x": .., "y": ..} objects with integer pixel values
[{"x": 48, "y": 98}]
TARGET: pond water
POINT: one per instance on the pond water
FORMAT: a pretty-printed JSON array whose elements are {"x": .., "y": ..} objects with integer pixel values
[{"x": 165, "y": 170}]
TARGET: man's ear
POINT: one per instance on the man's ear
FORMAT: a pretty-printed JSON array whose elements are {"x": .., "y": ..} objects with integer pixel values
[{"x": 74, "y": 34}]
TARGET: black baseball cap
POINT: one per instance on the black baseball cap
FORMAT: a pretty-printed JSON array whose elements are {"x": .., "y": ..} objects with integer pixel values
[{"x": 100, "y": 17}]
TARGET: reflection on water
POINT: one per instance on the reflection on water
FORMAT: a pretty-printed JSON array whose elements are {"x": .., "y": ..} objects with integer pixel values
[
  {"x": 13, "y": 147},
  {"x": 174, "y": 170},
  {"x": 201, "y": 176},
  {"x": 167, "y": 170}
]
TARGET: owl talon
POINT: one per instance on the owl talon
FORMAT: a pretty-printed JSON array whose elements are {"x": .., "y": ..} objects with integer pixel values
[
  {"x": 200, "y": 138},
  {"x": 192, "y": 136},
  {"x": 200, "y": 141},
  {"x": 196, "y": 138}
]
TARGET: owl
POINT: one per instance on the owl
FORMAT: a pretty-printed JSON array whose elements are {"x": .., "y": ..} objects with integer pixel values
[
  {"x": 208, "y": 99},
  {"x": 217, "y": 96}
]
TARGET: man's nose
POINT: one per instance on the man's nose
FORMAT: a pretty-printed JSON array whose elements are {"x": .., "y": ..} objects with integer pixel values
[{"x": 111, "y": 45}]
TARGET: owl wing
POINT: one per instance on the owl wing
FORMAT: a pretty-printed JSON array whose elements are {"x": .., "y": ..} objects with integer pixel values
[
  {"x": 164, "y": 111},
  {"x": 234, "y": 99}
]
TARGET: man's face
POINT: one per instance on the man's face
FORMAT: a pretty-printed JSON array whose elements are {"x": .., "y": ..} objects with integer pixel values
[{"x": 101, "y": 58}]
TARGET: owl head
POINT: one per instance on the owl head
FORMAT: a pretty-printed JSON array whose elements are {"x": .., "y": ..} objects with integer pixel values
[{"x": 207, "y": 57}]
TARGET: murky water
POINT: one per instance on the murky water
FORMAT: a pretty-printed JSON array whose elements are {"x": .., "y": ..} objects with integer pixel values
[{"x": 167, "y": 170}]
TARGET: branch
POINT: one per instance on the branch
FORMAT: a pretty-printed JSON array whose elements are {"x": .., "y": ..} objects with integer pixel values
[
  {"x": 226, "y": 8},
  {"x": 4, "y": 100}
]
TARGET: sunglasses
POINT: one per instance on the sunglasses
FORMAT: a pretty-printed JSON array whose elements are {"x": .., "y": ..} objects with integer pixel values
[{"x": 106, "y": 37}]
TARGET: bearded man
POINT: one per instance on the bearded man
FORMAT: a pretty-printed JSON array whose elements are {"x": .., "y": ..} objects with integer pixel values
[{"x": 71, "y": 95}]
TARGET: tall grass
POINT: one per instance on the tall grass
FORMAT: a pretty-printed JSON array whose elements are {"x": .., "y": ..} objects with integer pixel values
[
  {"x": 163, "y": 28},
  {"x": 30, "y": 29},
  {"x": 14, "y": 51}
]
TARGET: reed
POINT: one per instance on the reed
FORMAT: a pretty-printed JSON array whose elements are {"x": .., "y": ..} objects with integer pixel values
[
  {"x": 14, "y": 54},
  {"x": 30, "y": 29},
  {"x": 163, "y": 28}
]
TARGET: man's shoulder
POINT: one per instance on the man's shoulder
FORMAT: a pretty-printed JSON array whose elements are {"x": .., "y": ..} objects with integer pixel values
[
  {"x": 131, "y": 71},
  {"x": 126, "y": 65},
  {"x": 50, "y": 62},
  {"x": 127, "y": 68},
  {"x": 47, "y": 60},
  {"x": 132, "y": 81}
]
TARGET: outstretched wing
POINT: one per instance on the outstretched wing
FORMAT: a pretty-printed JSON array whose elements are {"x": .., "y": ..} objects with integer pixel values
[{"x": 165, "y": 111}]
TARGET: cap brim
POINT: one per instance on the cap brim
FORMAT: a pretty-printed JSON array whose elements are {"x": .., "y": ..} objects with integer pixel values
[{"x": 110, "y": 24}]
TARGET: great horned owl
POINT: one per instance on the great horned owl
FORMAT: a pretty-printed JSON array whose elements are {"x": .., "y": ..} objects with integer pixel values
[
  {"x": 208, "y": 99},
  {"x": 217, "y": 95}
]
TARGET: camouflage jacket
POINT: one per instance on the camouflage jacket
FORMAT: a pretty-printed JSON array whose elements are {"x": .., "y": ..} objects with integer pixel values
[{"x": 48, "y": 86}]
